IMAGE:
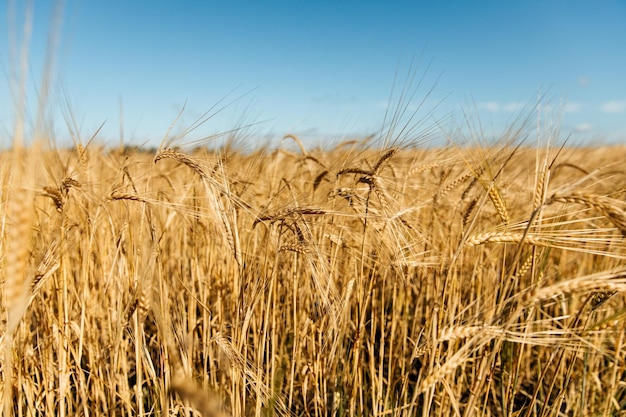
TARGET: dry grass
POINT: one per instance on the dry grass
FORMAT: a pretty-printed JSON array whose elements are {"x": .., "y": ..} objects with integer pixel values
[{"x": 348, "y": 282}]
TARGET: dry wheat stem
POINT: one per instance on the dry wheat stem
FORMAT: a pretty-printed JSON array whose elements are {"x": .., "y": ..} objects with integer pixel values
[
  {"x": 298, "y": 142},
  {"x": 246, "y": 368}
]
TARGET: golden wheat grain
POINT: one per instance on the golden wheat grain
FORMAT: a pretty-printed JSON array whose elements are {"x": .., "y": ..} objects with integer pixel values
[
  {"x": 129, "y": 197},
  {"x": 83, "y": 157},
  {"x": 451, "y": 186},
  {"x": 69, "y": 182},
  {"x": 354, "y": 171},
  {"x": 498, "y": 203},
  {"x": 540, "y": 189},
  {"x": 469, "y": 188},
  {"x": 468, "y": 212},
  {"x": 314, "y": 159},
  {"x": 422, "y": 168},
  {"x": 318, "y": 179},
  {"x": 459, "y": 358},
  {"x": 183, "y": 159},
  {"x": 460, "y": 332},
  {"x": 144, "y": 300},
  {"x": 298, "y": 248},
  {"x": 525, "y": 266},
  {"x": 384, "y": 158},
  {"x": 600, "y": 282},
  {"x": 600, "y": 298},
  {"x": 375, "y": 186},
  {"x": 504, "y": 237},
  {"x": 56, "y": 197},
  {"x": 47, "y": 266},
  {"x": 288, "y": 213}
]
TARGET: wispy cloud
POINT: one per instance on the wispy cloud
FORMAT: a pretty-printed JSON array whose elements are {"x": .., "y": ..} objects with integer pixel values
[
  {"x": 513, "y": 106},
  {"x": 583, "y": 127},
  {"x": 572, "y": 107},
  {"x": 495, "y": 107},
  {"x": 614, "y": 106},
  {"x": 583, "y": 81},
  {"x": 491, "y": 106}
]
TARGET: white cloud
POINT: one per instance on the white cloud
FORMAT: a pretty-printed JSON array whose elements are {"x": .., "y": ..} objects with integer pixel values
[
  {"x": 583, "y": 127},
  {"x": 495, "y": 107},
  {"x": 491, "y": 106},
  {"x": 514, "y": 106},
  {"x": 572, "y": 107},
  {"x": 583, "y": 81},
  {"x": 614, "y": 106}
]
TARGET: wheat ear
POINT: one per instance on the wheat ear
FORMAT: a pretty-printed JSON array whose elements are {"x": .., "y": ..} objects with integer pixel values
[{"x": 608, "y": 207}]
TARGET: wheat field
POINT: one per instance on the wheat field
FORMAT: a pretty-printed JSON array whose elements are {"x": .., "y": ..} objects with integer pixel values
[{"x": 362, "y": 280}]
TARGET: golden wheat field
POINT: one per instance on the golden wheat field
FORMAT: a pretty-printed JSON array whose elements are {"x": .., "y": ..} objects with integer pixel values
[{"x": 362, "y": 280}]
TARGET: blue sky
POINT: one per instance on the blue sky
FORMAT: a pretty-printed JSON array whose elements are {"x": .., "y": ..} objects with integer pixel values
[{"x": 325, "y": 69}]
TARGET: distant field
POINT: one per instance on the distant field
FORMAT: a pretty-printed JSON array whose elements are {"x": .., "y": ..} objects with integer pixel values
[{"x": 358, "y": 281}]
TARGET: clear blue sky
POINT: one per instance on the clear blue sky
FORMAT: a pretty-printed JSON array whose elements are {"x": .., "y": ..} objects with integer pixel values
[{"x": 326, "y": 69}]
